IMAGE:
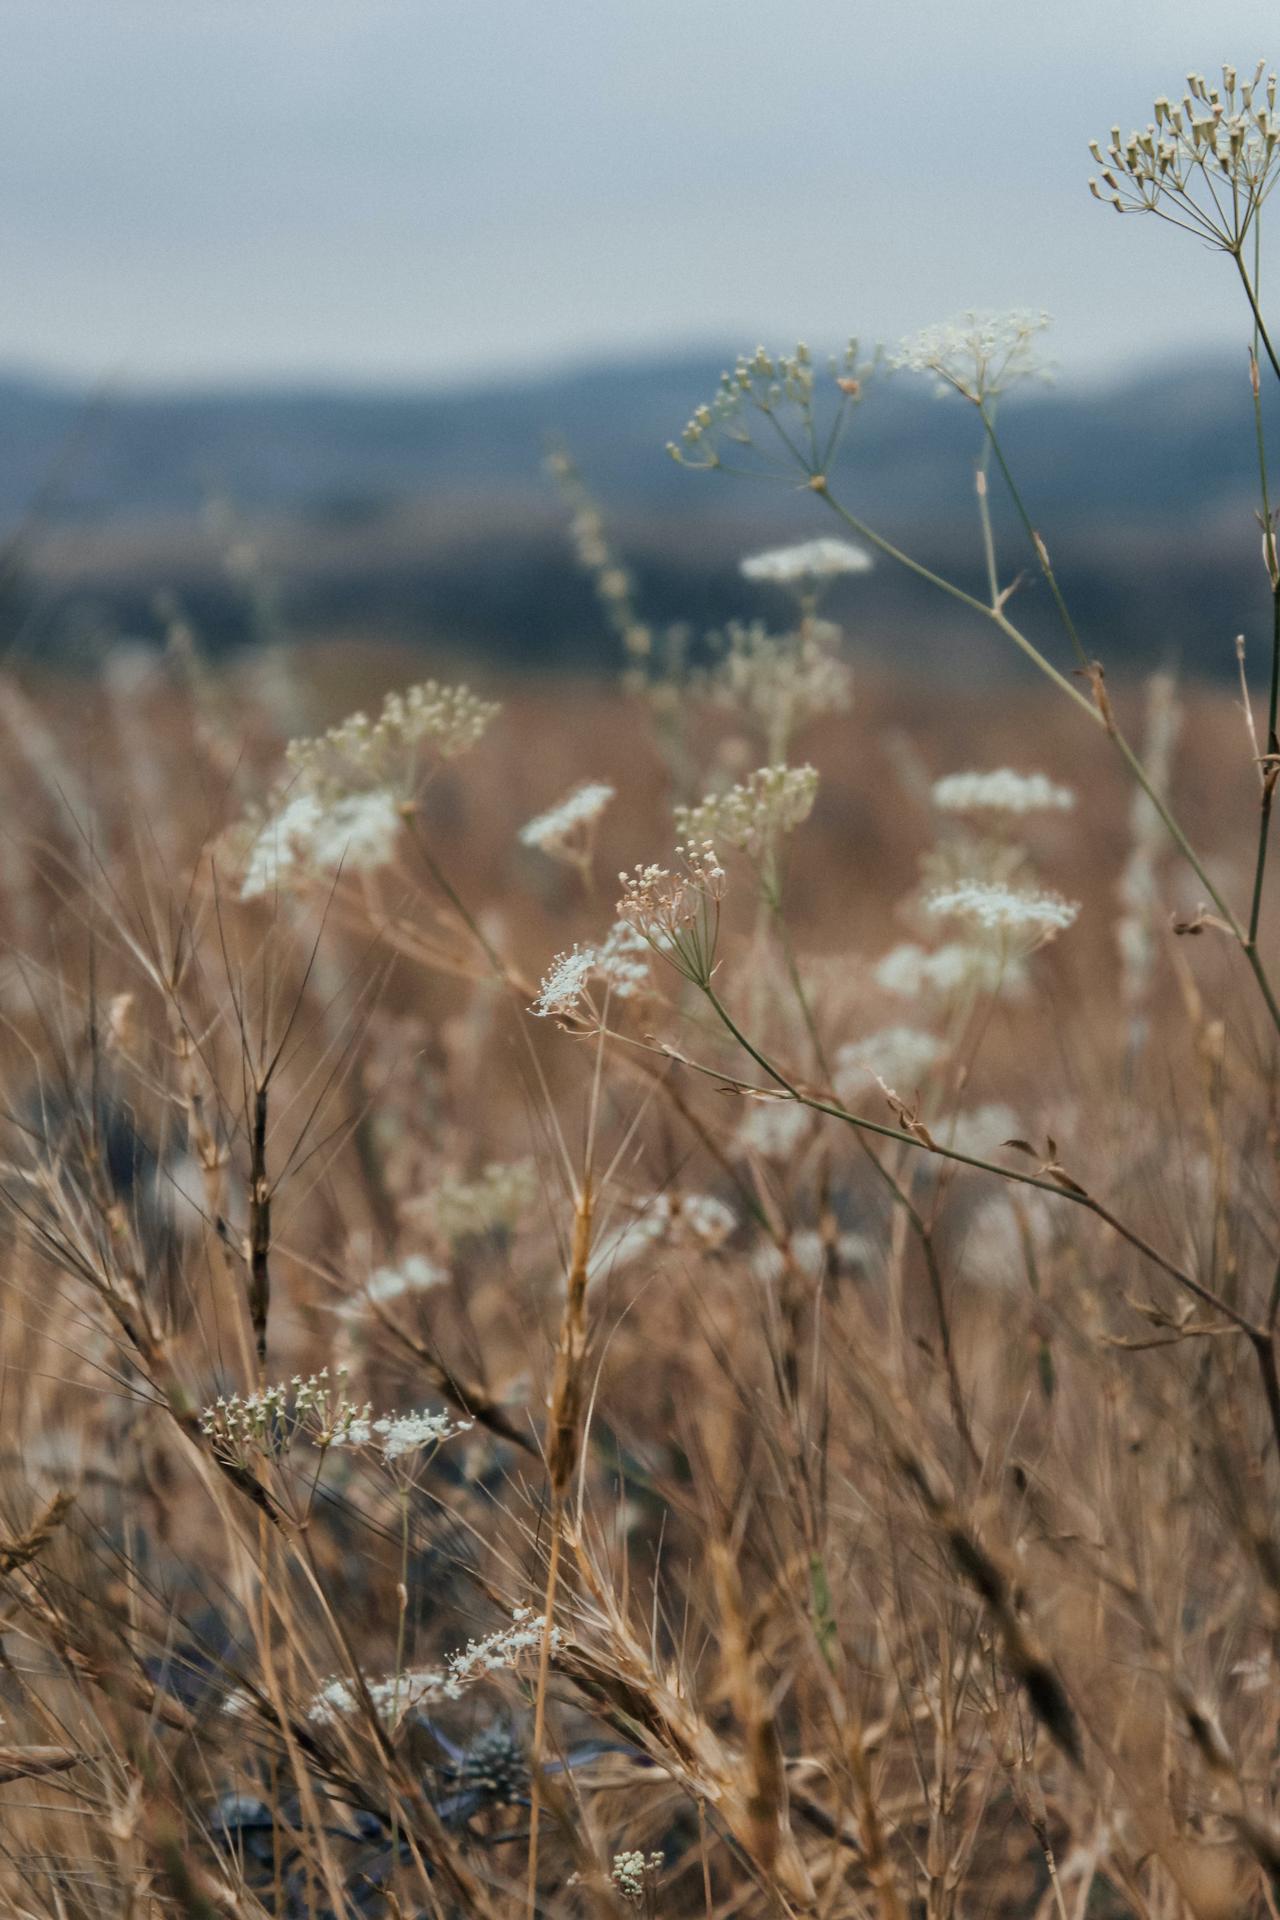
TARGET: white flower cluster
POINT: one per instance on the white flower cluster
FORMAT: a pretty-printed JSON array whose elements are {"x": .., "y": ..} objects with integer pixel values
[
  {"x": 1207, "y": 164},
  {"x": 977, "y": 355},
  {"x": 752, "y": 814},
  {"x": 405, "y": 1433},
  {"x": 309, "y": 834},
  {"x": 1001, "y": 792},
  {"x": 692, "y": 1220},
  {"x": 979, "y": 1130},
  {"x": 361, "y": 752},
  {"x": 781, "y": 681},
  {"x": 495, "y": 1201},
  {"x": 769, "y": 385},
  {"x": 898, "y": 1056},
  {"x": 630, "y": 1871},
  {"x": 394, "y": 1696},
  {"x": 414, "y": 1274},
  {"x": 555, "y": 831},
  {"x": 257, "y": 1425},
  {"x": 912, "y": 972},
  {"x": 618, "y": 964},
  {"x": 774, "y": 1128},
  {"x": 807, "y": 562},
  {"x": 1003, "y": 1235},
  {"x": 678, "y": 912},
  {"x": 807, "y": 1253},
  {"x": 1005, "y": 910}
]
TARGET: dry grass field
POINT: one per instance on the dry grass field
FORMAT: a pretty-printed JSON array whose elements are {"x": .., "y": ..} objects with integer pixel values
[
  {"x": 908, "y": 1536},
  {"x": 658, "y": 1299}
]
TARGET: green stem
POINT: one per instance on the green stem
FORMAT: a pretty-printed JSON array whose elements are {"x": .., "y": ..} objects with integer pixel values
[
  {"x": 1038, "y": 546},
  {"x": 1238, "y": 256},
  {"x": 1104, "y": 720},
  {"x": 1076, "y": 1195},
  {"x": 994, "y": 614}
]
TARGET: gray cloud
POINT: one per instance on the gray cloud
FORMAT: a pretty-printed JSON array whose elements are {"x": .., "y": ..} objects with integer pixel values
[{"x": 409, "y": 189}]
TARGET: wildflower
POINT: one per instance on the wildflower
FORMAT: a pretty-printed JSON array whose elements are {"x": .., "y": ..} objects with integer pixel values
[
  {"x": 632, "y": 1871},
  {"x": 1004, "y": 1235},
  {"x": 807, "y": 1252},
  {"x": 913, "y": 972},
  {"x": 494, "y": 1202},
  {"x": 1001, "y": 792},
  {"x": 393, "y": 1696},
  {"x": 1207, "y": 163},
  {"x": 895, "y": 1055},
  {"x": 561, "y": 830},
  {"x": 807, "y": 563},
  {"x": 615, "y": 963},
  {"x": 1003, "y": 909},
  {"x": 678, "y": 914},
  {"x": 781, "y": 681},
  {"x": 415, "y": 1274},
  {"x": 261, "y": 1425},
  {"x": 361, "y": 753},
  {"x": 695, "y": 1220},
  {"x": 979, "y": 1131},
  {"x": 774, "y": 1128},
  {"x": 403, "y": 1433},
  {"x": 751, "y": 815},
  {"x": 978, "y": 355},
  {"x": 783, "y": 389}
]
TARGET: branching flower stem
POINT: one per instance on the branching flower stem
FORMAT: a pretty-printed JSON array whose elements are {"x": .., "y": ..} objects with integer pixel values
[
  {"x": 1258, "y": 1335},
  {"x": 1100, "y": 714}
]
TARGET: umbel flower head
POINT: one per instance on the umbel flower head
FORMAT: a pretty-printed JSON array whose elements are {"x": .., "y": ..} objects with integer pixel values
[
  {"x": 977, "y": 355},
  {"x": 343, "y": 801},
  {"x": 751, "y": 815},
  {"x": 780, "y": 682},
  {"x": 565, "y": 830},
  {"x": 425, "y": 722},
  {"x": 780, "y": 399},
  {"x": 807, "y": 564},
  {"x": 1206, "y": 162},
  {"x": 677, "y": 912},
  {"x": 1001, "y": 792},
  {"x": 1021, "y": 914}
]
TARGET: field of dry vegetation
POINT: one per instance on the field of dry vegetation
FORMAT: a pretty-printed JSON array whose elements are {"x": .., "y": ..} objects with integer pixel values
[{"x": 653, "y": 1299}]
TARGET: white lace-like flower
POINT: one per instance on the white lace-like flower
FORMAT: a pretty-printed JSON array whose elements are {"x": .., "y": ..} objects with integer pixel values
[
  {"x": 979, "y": 1131},
  {"x": 402, "y": 1433},
  {"x": 692, "y": 1220},
  {"x": 1007, "y": 910},
  {"x": 386, "y": 752},
  {"x": 356, "y": 831},
  {"x": 495, "y": 1201},
  {"x": 1002, "y": 1234},
  {"x": 774, "y": 1128},
  {"x": 553, "y": 831},
  {"x": 807, "y": 1252},
  {"x": 913, "y": 973},
  {"x": 898, "y": 1056},
  {"x": 394, "y": 1696},
  {"x": 414, "y": 1274},
  {"x": 1001, "y": 792},
  {"x": 807, "y": 562},
  {"x": 781, "y": 682},
  {"x": 771, "y": 801},
  {"x": 619, "y": 963},
  {"x": 978, "y": 355}
]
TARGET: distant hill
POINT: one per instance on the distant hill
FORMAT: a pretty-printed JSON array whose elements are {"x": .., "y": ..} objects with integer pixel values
[{"x": 428, "y": 515}]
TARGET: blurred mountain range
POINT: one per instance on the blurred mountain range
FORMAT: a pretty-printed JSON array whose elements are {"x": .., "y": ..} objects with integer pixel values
[{"x": 428, "y": 517}]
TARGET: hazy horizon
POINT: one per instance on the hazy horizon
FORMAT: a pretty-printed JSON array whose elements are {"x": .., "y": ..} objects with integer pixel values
[{"x": 410, "y": 195}]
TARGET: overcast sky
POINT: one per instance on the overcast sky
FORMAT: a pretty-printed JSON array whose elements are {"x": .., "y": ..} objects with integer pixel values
[{"x": 410, "y": 190}]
